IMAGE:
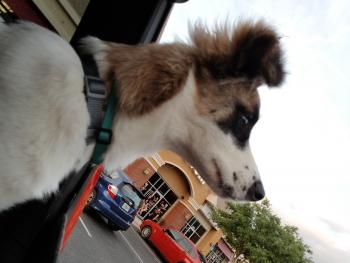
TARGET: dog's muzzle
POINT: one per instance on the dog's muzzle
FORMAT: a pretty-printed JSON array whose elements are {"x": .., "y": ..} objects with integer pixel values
[{"x": 256, "y": 192}]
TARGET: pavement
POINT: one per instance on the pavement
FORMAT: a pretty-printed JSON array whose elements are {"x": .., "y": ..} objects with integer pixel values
[{"x": 93, "y": 241}]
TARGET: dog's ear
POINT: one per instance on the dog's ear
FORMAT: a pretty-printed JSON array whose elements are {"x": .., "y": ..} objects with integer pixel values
[
  {"x": 252, "y": 50},
  {"x": 257, "y": 52}
]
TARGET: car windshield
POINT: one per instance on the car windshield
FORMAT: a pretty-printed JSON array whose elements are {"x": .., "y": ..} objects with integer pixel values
[
  {"x": 182, "y": 241},
  {"x": 113, "y": 175},
  {"x": 127, "y": 191}
]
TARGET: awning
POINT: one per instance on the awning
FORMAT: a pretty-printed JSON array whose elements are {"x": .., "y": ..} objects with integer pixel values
[{"x": 225, "y": 249}]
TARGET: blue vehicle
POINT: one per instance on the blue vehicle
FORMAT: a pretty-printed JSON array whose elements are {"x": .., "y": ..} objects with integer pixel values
[{"x": 117, "y": 199}]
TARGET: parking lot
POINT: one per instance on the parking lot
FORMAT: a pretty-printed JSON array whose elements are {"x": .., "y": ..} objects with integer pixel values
[{"x": 93, "y": 241}]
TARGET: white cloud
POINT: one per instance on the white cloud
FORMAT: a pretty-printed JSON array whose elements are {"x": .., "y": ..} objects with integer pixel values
[{"x": 328, "y": 240}]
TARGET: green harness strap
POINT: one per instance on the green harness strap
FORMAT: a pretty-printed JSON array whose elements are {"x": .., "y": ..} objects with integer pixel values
[{"x": 104, "y": 136}]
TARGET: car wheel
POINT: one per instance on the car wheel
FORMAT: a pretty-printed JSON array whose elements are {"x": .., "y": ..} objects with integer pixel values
[
  {"x": 146, "y": 232},
  {"x": 113, "y": 226}
]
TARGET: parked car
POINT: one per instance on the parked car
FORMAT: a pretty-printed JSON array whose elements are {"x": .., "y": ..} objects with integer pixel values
[
  {"x": 117, "y": 199},
  {"x": 174, "y": 246}
]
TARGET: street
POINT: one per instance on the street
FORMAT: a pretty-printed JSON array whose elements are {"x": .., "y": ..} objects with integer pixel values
[{"x": 93, "y": 241}]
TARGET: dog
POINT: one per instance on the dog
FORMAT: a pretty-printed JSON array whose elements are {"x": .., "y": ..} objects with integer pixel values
[{"x": 199, "y": 100}]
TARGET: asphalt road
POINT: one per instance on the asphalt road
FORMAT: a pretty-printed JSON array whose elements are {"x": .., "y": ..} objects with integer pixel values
[{"x": 92, "y": 241}]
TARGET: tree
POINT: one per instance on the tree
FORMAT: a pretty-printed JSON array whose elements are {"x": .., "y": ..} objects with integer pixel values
[{"x": 253, "y": 230}]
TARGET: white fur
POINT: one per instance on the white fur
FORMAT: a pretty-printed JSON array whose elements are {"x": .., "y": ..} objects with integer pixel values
[{"x": 43, "y": 114}]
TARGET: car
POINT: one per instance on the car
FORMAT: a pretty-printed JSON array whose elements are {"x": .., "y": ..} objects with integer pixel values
[
  {"x": 115, "y": 198},
  {"x": 173, "y": 245}
]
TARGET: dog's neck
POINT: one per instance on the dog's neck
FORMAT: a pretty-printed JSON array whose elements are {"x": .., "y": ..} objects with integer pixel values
[{"x": 143, "y": 135}]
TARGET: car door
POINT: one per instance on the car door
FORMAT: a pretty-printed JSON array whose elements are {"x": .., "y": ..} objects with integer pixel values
[
  {"x": 190, "y": 251},
  {"x": 177, "y": 248},
  {"x": 170, "y": 248}
]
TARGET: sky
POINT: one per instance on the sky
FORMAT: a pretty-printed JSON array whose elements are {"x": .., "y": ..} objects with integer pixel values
[{"x": 301, "y": 143}]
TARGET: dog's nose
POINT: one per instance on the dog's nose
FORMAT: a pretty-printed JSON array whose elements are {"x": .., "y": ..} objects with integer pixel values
[{"x": 256, "y": 192}]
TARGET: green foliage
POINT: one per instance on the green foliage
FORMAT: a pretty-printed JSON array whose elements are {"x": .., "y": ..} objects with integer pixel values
[{"x": 252, "y": 229}]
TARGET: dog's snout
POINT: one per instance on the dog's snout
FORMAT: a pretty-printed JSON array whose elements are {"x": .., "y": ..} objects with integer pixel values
[{"x": 256, "y": 192}]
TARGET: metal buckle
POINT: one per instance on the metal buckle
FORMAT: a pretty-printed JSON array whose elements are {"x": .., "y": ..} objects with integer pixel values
[{"x": 95, "y": 88}]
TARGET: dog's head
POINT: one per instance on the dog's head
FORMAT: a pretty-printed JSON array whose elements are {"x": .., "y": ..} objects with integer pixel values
[
  {"x": 212, "y": 124},
  {"x": 228, "y": 69}
]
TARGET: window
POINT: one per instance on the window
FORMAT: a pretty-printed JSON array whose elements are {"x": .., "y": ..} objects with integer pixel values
[
  {"x": 215, "y": 255},
  {"x": 158, "y": 198},
  {"x": 129, "y": 192},
  {"x": 75, "y": 8},
  {"x": 193, "y": 229}
]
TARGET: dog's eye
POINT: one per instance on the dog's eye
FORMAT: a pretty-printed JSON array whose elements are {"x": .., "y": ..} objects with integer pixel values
[{"x": 243, "y": 121}]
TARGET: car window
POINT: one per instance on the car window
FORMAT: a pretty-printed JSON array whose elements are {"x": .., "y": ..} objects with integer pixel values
[
  {"x": 127, "y": 191},
  {"x": 174, "y": 234},
  {"x": 182, "y": 241}
]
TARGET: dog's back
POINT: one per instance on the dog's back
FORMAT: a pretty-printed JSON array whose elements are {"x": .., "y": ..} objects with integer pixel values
[{"x": 43, "y": 115}]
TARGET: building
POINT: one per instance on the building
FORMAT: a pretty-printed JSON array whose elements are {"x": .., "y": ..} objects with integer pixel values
[{"x": 178, "y": 197}]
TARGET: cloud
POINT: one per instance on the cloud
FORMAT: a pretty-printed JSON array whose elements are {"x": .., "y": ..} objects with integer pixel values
[
  {"x": 336, "y": 227},
  {"x": 329, "y": 241},
  {"x": 323, "y": 252}
]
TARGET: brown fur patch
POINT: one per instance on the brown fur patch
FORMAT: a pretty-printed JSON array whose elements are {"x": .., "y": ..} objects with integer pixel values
[
  {"x": 252, "y": 51},
  {"x": 216, "y": 100},
  {"x": 147, "y": 75},
  {"x": 228, "y": 69}
]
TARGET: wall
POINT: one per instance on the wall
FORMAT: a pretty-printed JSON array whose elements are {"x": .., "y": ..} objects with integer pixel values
[
  {"x": 177, "y": 216},
  {"x": 211, "y": 238},
  {"x": 139, "y": 172},
  {"x": 200, "y": 191}
]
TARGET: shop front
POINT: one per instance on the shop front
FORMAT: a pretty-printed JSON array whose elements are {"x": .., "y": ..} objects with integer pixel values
[{"x": 177, "y": 197}]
